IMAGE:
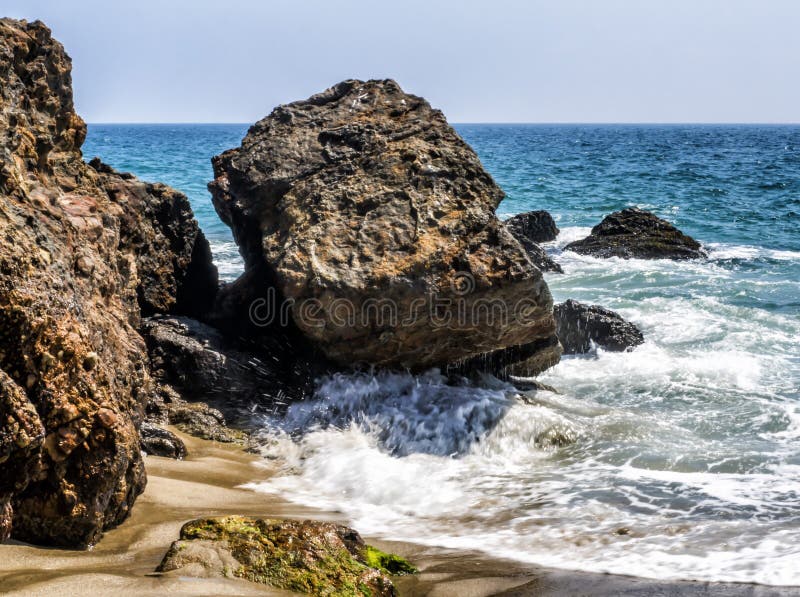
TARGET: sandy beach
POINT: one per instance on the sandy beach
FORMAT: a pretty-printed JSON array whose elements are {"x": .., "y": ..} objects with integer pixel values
[{"x": 205, "y": 483}]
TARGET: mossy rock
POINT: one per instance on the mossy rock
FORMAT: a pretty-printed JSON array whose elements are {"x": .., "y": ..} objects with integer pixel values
[{"x": 319, "y": 558}]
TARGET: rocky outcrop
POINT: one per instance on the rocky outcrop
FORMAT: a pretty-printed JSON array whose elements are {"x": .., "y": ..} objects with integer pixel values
[
  {"x": 579, "y": 326},
  {"x": 367, "y": 212},
  {"x": 21, "y": 438},
  {"x": 318, "y": 558},
  {"x": 638, "y": 234},
  {"x": 173, "y": 258},
  {"x": 536, "y": 226},
  {"x": 78, "y": 252},
  {"x": 157, "y": 441},
  {"x": 532, "y": 228},
  {"x": 231, "y": 374}
]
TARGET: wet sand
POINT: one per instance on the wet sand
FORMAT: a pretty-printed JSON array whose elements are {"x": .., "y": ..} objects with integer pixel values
[{"x": 205, "y": 484}]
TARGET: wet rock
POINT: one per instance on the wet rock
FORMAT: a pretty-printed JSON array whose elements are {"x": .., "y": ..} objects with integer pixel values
[
  {"x": 580, "y": 325},
  {"x": 75, "y": 257},
  {"x": 367, "y": 212},
  {"x": 200, "y": 420},
  {"x": 536, "y": 226},
  {"x": 532, "y": 228},
  {"x": 318, "y": 558},
  {"x": 161, "y": 442},
  {"x": 230, "y": 373},
  {"x": 635, "y": 233}
]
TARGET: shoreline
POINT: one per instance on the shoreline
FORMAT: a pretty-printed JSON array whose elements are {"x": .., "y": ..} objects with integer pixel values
[{"x": 205, "y": 484}]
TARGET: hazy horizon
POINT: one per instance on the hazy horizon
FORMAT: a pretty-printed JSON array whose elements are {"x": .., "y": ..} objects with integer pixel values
[{"x": 508, "y": 61}]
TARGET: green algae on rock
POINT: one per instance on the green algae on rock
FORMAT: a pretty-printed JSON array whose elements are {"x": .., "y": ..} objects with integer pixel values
[{"x": 319, "y": 558}]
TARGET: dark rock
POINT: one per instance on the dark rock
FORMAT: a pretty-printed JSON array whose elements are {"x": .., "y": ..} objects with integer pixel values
[
  {"x": 161, "y": 442},
  {"x": 318, "y": 558},
  {"x": 200, "y": 420},
  {"x": 173, "y": 258},
  {"x": 232, "y": 374},
  {"x": 362, "y": 199},
  {"x": 532, "y": 228},
  {"x": 579, "y": 325},
  {"x": 536, "y": 226},
  {"x": 77, "y": 250},
  {"x": 638, "y": 234}
]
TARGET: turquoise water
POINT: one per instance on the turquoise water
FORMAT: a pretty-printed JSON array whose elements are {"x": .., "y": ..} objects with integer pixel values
[{"x": 684, "y": 459}]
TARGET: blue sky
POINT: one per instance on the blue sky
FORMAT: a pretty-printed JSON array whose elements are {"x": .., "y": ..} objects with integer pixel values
[{"x": 490, "y": 61}]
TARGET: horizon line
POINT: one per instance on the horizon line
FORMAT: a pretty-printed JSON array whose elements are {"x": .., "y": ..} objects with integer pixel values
[{"x": 499, "y": 122}]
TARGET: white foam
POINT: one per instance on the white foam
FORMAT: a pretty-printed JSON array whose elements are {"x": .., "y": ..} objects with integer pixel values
[{"x": 688, "y": 443}]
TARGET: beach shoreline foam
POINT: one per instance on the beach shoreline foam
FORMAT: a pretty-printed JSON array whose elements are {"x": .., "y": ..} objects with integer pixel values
[{"x": 208, "y": 483}]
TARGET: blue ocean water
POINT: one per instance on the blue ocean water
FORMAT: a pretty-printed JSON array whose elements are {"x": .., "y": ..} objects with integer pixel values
[{"x": 684, "y": 454}]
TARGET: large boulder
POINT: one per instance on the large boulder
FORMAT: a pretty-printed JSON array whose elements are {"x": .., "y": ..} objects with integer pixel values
[
  {"x": 376, "y": 223},
  {"x": 638, "y": 234},
  {"x": 72, "y": 274},
  {"x": 318, "y": 558},
  {"x": 580, "y": 326}
]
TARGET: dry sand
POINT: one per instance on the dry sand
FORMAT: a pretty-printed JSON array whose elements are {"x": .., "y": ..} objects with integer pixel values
[{"x": 205, "y": 484}]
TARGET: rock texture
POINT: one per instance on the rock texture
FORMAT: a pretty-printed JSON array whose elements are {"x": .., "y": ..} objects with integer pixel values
[
  {"x": 532, "y": 228},
  {"x": 173, "y": 257},
  {"x": 157, "y": 441},
  {"x": 536, "y": 226},
  {"x": 231, "y": 374},
  {"x": 21, "y": 438},
  {"x": 79, "y": 254},
  {"x": 318, "y": 558},
  {"x": 635, "y": 233},
  {"x": 366, "y": 209},
  {"x": 580, "y": 325}
]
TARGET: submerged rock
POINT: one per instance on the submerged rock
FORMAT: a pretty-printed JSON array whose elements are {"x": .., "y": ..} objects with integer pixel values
[
  {"x": 161, "y": 442},
  {"x": 579, "y": 325},
  {"x": 376, "y": 221},
  {"x": 635, "y": 233},
  {"x": 81, "y": 251},
  {"x": 319, "y": 558}
]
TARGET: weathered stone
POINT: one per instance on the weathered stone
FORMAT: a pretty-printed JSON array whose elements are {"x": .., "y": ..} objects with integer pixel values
[
  {"x": 227, "y": 372},
  {"x": 536, "y": 226},
  {"x": 319, "y": 558},
  {"x": 173, "y": 257},
  {"x": 580, "y": 325},
  {"x": 532, "y": 228},
  {"x": 638, "y": 234},
  {"x": 21, "y": 438},
  {"x": 161, "y": 442},
  {"x": 200, "y": 420},
  {"x": 72, "y": 267},
  {"x": 363, "y": 207}
]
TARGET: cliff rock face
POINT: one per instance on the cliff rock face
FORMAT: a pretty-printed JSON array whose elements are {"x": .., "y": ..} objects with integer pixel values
[
  {"x": 637, "y": 234},
  {"x": 80, "y": 250},
  {"x": 370, "y": 213}
]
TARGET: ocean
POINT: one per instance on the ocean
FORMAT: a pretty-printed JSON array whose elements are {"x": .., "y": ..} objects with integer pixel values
[{"x": 682, "y": 458}]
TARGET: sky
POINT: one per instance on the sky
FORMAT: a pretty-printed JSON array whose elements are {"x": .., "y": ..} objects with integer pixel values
[{"x": 488, "y": 61}]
